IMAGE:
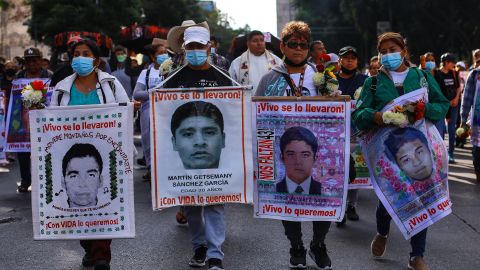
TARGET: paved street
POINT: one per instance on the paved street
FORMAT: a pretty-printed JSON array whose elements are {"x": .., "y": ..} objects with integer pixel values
[{"x": 453, "y": 243}]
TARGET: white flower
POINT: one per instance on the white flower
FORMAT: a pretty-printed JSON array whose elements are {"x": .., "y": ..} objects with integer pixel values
[
  {"x": 28, "y": 87},
  {"x": 166, "y": 66},
  {"x": 357, "y": 93},
  {"x": 332, "y": 86},
  {"x": 397, "y": 119},
  {"x": 460, "y": 131},
  {"x": 318, "y": 79}
]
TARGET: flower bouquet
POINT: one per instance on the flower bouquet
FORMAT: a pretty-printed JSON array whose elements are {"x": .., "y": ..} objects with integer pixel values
[
  {"x": 166, "y": 67},
  {"x": 34, "y": 95},
  {"x": 463, "y": 132},
  {"x": 405, "y": 115},
  {"x": 324, "y": 80}
]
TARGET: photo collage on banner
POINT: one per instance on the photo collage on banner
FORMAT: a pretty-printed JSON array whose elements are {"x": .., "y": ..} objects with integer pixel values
[
  {"x": 3, "y": 156},
  {"x": 409, "y": 167},
  {"x": 82, "y": 170},
  {"x": 17, "y": 130},
  {"x": 362, "y": 176},
  {"x": 201, "y": 142},
  {"x": 301, "y": 149}
]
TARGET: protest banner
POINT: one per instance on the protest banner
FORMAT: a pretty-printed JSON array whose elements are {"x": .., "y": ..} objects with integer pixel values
[
  {"x": 301, "y": 157},
  {"x": 362, "y": 176},
  {"x": 202, "y": 150},
  {"x": 3, "y": 157},
  {"x": 82, "y": 172},
  {"x": 409, "y": 168},
  {"x": 18, "y": 129}
]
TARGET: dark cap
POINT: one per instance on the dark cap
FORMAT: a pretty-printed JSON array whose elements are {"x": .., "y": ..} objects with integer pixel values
[
  {"x": 32, "y": 52},
  {"x": 448, "y": 57},
  {"x": 348, "y": 49}
]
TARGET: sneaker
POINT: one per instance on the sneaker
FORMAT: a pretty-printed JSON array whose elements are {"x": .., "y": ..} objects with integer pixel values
[
  {"x": 319, "y": 255},
  {"x": 378, "y": 246},
  {"x": 417, "y": 263},
  {"x": 87, "y": 260},
  {"x": 298, "y": 257},
  {"x": 102, "y": 265},
  {"x": 22, "y": 189},
  {"x": 352, "y": 213},
  {"x": 343, "y": 222},
  {"x": 451, "y": 159},
  {"x": 215, "y": 264},
  {"x": 198, "y": 259}
]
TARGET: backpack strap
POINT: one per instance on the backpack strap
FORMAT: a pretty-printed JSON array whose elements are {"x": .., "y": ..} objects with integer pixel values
[{"x": 147, "y": 79}]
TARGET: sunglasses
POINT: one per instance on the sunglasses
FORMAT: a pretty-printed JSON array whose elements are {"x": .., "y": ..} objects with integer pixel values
[{"x": 294, "y": 45}]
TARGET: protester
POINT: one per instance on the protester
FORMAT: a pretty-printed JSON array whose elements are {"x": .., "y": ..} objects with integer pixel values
[
  {"x": 469, "y": 101},
  {"x": 33, "y": 69},
  {"x": 349, "y": 80},
  {"x": 394, "y": 79},
  {"x": 175, "y": 41},
  {"x": 205, "y": 223},
  {"x": 118, "y": 70},
  {"x": 298, "y": 73},
  {"x": 89, "y": 85},
  {"x": 427, "y": 62},
  {"x": 215, "y": 57},
  {"x": 475, "y": 59},
  {"x": 373, "y": 66},
  {"x": 149, "y": 78},
  {"x": 447, "y": 78},
  {"x": 316, "y": 49},
  {"x": 249, "y": 68}
]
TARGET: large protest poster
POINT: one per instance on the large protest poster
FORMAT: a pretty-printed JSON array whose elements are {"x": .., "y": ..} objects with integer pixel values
[
  {"x": 3, "y": 158},
  {"x": 18, "y": 129},
  {"x": 202, "y": 150},
  {"x": 82, "y": 168},
  {"x": 362, "y": 175},
  {"x": 409, "y": 167},
  {"x": 301, "y": 149}
]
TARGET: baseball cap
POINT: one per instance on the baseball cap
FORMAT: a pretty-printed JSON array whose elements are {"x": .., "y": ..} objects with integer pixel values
[
  {"x": 348, "y": 49},
  {"x": 333, "y": 59},
  {"x": 196, "y": 34},
  {"x": 461, "y": 64},
  {"x": 32, "y": 52},
  {"x": 448, "y": 57}
]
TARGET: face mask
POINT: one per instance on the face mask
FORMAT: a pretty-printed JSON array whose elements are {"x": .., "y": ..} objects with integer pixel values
[
  {"x": 10, "y": 72},
  {"x": 196, "y": 57},
  {"x": 348, "y": 71},
  {"x": 82, "y": 65},
  {"x": 429, "y": 65},
  {"x": 212, "y": 50},
  {"x": 161, "y": 58},
  {"x": 392, "y": 61},
  {"x": 121, "y": 58}
]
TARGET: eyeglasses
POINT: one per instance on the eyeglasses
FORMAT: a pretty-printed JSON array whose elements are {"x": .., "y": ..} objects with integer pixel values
[{"x": 294, "y": 45}]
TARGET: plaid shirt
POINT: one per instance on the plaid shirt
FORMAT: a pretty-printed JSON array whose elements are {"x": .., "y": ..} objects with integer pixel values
[{"x": 469, "y": 94}]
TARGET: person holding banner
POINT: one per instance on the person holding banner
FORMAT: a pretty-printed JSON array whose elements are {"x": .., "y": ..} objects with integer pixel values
[
  {"x": 295, "y": 78},
  {"x": 33, "y": 69},
  {"x": 396, "y": 78},
  {"x": 205, "y": 223},
  {"x": 89, "y": 85},
  {"x": 149, "y": 78}
]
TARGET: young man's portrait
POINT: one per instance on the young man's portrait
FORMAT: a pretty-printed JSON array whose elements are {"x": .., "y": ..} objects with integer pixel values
[
  {"x": 82, "y": 175},
  {"x": 198, "y": 134},
  {"x": 298, "y": 147}
]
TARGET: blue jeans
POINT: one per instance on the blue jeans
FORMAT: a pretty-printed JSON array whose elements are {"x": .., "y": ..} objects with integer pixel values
[
  {"x": 452, "y": 124},
  {"x": 207, "y": 228},
  {"x": 440, "y": 125},
  {"x": 417, "y": 242}
]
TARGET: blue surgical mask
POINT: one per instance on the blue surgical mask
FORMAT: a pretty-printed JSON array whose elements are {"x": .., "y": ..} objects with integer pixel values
[
  {"x": 82, "y": 65},
  {"x": 429, "y": 65},
  {"x": 196, "y": 57},
  {"x": 392, "y": 61},
  {"x": 161, "y": 58}
]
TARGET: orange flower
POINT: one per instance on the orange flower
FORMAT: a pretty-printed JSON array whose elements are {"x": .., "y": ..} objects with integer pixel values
[
  {"x": 38, "y": 85},
  {"x": 399, "y": 108}
]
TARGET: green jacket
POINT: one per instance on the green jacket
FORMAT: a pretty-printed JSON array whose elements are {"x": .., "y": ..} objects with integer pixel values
[{"x": 368, "y": 103}]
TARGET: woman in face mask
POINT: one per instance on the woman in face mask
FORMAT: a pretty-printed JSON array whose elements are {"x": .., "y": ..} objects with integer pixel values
[
  {"x": 88, "y": 85},
  {"x": 394, "y": 79},
  {"x": 149, "y": 78},
  {"x": 427, "y": 62}
]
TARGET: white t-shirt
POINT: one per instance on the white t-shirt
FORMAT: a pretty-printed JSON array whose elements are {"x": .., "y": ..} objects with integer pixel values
[
  {"x": 308, "y": 88},
  {"x": 258, "y": 67},
  {"x": 154, "y": 77},
  {"x": 399, "y": 77}
]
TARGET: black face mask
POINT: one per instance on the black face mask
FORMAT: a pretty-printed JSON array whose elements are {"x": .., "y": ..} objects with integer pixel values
[
  {"x": 301, "y": 64},
  {"x": 10, "y": 72},
  {"x": 347, "y": 71}
]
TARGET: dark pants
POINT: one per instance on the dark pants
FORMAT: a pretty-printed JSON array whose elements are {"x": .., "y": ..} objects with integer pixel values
[
  {"x": 25, "y": 173},
  {"x": 476, "y": 158},
  {"x": 451, "y": 127},
  {"x": 293, "y": 231},
  {"x": 98, "y": 250},
  {"x": 417, "y": 242}
]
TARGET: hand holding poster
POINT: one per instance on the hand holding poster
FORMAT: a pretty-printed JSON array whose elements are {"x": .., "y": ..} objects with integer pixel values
[
  {"x": 409, "y": 168},
  {"x": 18, "y": 129},
  {"x": 82, "y": 162},
  {"x": 301, "y": 158},
  {"x": 201, "y": 143}
]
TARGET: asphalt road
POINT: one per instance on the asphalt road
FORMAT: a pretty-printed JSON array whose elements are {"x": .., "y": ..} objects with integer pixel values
[{"x": 452, "y": 243}]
